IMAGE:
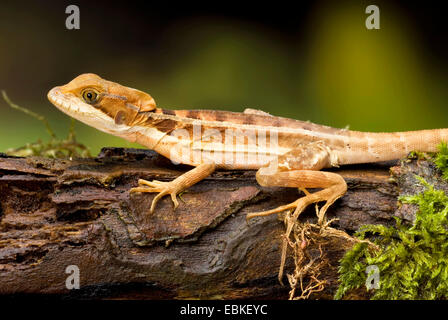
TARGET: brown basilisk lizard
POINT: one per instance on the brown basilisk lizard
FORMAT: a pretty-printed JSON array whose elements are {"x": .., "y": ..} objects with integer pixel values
[{"x": 211, "y": 139}]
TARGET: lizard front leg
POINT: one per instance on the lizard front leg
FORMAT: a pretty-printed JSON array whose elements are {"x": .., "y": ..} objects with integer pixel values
[
  {"x": 173, "y": 188},
  {"x": 299, "y": 168}
]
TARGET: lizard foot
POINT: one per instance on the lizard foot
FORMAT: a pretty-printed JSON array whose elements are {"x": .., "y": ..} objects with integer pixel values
[
  {"x": 176, "y": 186},
  {"x": 163, "y": 189},
  {"x": 330, "y": 195}
]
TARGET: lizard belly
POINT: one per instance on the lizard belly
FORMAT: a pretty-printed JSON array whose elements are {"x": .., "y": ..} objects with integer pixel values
[{"x": 224, "y": 156}]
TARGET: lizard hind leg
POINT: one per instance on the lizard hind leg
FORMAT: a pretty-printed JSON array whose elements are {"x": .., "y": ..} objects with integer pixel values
[
  {"x": 333, "y": 186},
  {"x": 299, "y": 169}
]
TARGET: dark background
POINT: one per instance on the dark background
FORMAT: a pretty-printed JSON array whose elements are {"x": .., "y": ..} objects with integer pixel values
[{"x": 306, "y": 60}]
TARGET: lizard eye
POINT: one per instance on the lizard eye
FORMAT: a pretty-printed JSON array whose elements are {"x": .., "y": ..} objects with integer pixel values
[{"x": 90, "y": 96}]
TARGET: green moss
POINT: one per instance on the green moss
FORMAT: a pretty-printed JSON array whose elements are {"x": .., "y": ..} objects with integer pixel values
[
  {"x": 412, "y": 258},
  {"x": 55, "y": 147},
  {"x": 441, "y": 159},
  {"x": 418, "y": 155}
]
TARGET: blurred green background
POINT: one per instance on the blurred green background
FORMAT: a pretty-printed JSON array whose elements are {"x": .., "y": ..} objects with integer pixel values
[{"x": 315, "y": 61}]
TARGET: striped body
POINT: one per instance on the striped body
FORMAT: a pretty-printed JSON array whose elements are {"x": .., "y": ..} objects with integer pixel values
[
  {"x": 349, "y": 147},
  {"x": 206, "y": 135}
]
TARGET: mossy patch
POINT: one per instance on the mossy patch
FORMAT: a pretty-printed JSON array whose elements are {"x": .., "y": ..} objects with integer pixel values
[
  {"x": 55, "y": 147},
  {"x": 412, "y": 258},
  {"x": 441, "y": 159}
]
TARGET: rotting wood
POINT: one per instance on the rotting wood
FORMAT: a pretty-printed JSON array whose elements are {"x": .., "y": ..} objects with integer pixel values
[{"x": 56, "y": 213}]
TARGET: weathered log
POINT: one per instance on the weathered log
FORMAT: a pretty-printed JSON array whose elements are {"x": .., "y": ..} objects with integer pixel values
[{"x": 56, "y": 213}]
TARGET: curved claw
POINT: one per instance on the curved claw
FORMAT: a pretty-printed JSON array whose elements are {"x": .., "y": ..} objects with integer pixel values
[
  {"x": 163, "y": 189},
  {"x": 156, "y": 199},
  {"x": 289, "y": 206},
  {"x": 174, "y": 199},
  {"x": 153, "y": 183}
]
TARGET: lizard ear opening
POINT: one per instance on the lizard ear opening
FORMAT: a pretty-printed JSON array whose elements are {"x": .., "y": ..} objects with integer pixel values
[{"x": 120, "y": 118}]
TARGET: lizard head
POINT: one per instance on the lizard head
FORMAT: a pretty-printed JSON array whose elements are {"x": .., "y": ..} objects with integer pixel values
[{"x": 102, "y": 104}]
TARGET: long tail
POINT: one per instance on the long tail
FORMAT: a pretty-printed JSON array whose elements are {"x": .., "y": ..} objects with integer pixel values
[{"x": 364, "y": 147}]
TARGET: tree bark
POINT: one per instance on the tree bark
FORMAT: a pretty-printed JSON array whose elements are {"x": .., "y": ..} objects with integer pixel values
[{"x": 57, "y": 213}]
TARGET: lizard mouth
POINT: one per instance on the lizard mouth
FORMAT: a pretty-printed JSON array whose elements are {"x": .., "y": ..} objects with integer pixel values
[
  {"x": 62, "y": 101},
  {"x": 76, "y": 108}
]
